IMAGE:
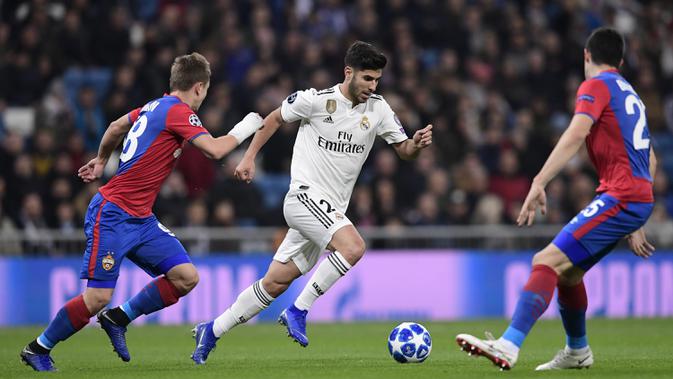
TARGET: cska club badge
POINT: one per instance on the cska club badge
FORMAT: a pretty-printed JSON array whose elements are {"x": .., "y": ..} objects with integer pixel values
[
  {"x": 108, "y": 262},
  {"x": 364, "y": 123},
  {"x": 331, "y": 105}
]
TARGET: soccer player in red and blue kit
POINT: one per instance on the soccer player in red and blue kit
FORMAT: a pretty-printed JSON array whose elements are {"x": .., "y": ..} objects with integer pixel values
[
  {"x": 119, "y": 222},
  {"x": 610, "y": 117}
]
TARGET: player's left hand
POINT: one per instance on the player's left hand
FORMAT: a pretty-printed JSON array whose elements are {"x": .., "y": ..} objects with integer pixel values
[
  {"x": 423, "y": 137},
  {"x": 92, "y": 170},
  {"x": 536, "y": 198},
  {"x": 639, "y": 245}
]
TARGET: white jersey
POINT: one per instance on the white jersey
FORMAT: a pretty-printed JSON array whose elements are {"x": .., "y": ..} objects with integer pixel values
[{"x": 334, "y": 139}]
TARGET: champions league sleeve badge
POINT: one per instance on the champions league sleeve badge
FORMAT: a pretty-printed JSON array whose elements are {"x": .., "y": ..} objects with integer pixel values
[{"x": 194, "y": 120}]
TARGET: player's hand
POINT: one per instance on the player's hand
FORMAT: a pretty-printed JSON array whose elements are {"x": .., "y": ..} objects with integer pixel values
[
  {"x": 245, "y": 170},
  {"x": 639, "y": 245},
  {"x": 92, "y": 170},
  {"x": 536, "y": 198},
  {"x": 423, "y": 137}
]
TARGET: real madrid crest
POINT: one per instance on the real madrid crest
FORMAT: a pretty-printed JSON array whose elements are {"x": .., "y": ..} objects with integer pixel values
[
  {"x": 364, "y": 123},
  {"x": 331, "y": 105},
  {"x": 108, "y": 262}
]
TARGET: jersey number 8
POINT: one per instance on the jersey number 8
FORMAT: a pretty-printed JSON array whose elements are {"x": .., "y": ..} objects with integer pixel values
[{"x": 131, "y": 141}]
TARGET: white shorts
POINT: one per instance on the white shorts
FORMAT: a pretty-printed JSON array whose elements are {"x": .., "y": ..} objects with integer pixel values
[{"x": 312, "y": 221}]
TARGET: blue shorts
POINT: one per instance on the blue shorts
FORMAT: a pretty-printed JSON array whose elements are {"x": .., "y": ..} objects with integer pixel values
[
  {"x": 597, "y": 229},
  {"x": 112, "y": 235}
]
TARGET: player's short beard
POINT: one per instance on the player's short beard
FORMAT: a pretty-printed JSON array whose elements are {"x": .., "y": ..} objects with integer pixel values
[{"x": 352, "y": 90}]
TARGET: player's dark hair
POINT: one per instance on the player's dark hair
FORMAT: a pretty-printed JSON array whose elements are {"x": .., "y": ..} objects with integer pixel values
[
  {"x": 188, "y": 70},
  {"x": 606, "y": 46},
  {"x": 364, "y": 56}
]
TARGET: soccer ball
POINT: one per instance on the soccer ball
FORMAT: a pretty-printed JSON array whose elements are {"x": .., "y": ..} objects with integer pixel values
[{"x": 409, "y": 342}]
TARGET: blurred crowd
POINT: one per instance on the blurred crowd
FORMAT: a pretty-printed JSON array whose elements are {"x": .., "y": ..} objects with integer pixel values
[{"x": 497, "y": 79}]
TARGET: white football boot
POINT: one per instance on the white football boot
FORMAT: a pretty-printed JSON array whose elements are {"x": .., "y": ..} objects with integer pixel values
[
  {"x": 494, "y": 350},
  {"x": 567, "y": 358}
]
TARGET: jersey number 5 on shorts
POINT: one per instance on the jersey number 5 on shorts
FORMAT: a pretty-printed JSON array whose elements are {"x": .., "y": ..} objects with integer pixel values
[
  {"x": 131, "y": 140},
  {"x": 590, "y": 210}
]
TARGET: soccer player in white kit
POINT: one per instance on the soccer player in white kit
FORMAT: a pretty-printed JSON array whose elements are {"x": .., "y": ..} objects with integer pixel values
[{"x": 337, "y": 130}]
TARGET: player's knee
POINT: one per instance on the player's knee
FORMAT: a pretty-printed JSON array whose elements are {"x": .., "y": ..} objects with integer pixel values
[
  {"x": 552, "y": 258},
  {"x": 186, "y": 281},
  {"x": 97, "y": 300},
  {"x": 189, "y": 281},
  {"x": 354, "y": 251},
  {"x": 275, "y": 286}
]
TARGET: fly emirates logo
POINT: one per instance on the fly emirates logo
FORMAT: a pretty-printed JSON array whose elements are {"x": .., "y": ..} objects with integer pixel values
[{"x": 343, "y": 145}]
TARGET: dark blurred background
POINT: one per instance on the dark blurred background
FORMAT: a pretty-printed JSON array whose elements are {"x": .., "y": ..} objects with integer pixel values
[{"x": 497, "y": 79}]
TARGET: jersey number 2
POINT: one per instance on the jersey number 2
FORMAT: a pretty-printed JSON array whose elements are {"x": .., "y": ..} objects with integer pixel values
[
  {"x": 631, "y": 103},
  {"x": 131, "y": 141}
]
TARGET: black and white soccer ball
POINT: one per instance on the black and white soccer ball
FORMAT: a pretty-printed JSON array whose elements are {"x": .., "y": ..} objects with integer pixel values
[{"x": 409, "y": 342}]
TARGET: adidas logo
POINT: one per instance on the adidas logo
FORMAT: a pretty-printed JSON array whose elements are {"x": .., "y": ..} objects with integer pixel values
[{"x": 328, "y": 120}]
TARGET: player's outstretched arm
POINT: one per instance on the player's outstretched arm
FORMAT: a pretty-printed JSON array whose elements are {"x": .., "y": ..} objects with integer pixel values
[
  {"x": 566, "y": 148},
  {"x": 111, "y": 139},
  {"x": 246, "y": 168},
  {"x": 410, "y": 148},
  {"x": 217, "y": 148}
]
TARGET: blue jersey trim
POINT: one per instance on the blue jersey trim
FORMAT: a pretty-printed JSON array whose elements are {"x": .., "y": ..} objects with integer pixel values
[
  {"x": 572, "y": 248},
  {"x": 93, "y": 283},
  {"x": 196, "y": 135},
  {"x": 167, "y": 264}
]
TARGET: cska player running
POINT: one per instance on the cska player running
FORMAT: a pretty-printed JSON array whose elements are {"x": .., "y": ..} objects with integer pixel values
[
  {"x": 610, "y": 116},
  {"x": 119, "y": 222},
  {"x": 338, "y": 128}
]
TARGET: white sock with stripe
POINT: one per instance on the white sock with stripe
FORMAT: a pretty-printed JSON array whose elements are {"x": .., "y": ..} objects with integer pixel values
[
  {"x": 329, "y": 271},
  {"x": 249, "y": 303}
]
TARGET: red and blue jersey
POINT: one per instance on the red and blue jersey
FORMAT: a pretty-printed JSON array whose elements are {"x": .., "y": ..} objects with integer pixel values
[
  {"x": 150, "y": 150},
  {"x": 619, "y": 141}
]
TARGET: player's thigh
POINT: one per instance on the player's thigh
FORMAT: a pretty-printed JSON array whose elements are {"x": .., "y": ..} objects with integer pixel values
[
  {"x": 597, "y": 229},
  {"x": 298, "y": 250},
  {"x": 108, "y": 240},
  {"x": 158, "y": 250},
  {"x": 348, "y": 241}
]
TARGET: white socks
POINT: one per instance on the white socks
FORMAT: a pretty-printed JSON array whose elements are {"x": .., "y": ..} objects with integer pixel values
[
  {"x": 246, "y": 127},
  {"x": 249, "y": 303},
  {"x": 329, "y": 271}
]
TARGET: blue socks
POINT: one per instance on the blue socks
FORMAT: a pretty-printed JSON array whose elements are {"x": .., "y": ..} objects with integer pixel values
[
  {"x": 69, "y": 320},
  {"x": 534, "y": 300},
  {"x": 158, "y": 294},
  {"x": 573, "y": 307}
]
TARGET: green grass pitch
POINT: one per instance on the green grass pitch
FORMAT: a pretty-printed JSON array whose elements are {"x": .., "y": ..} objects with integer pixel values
[{"x": 622, "y": 349}]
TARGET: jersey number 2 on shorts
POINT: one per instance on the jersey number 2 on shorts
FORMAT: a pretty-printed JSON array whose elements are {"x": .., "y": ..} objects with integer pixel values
[{"x": 131, "y": 140}]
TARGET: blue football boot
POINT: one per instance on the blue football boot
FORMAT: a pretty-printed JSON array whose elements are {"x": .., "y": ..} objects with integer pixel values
[
  {"x": 295, "y": 321},
  {"x": 117, "y": 335},
  {"x": 205, "y": 342},
  {"x": 39, "y": 362}
]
